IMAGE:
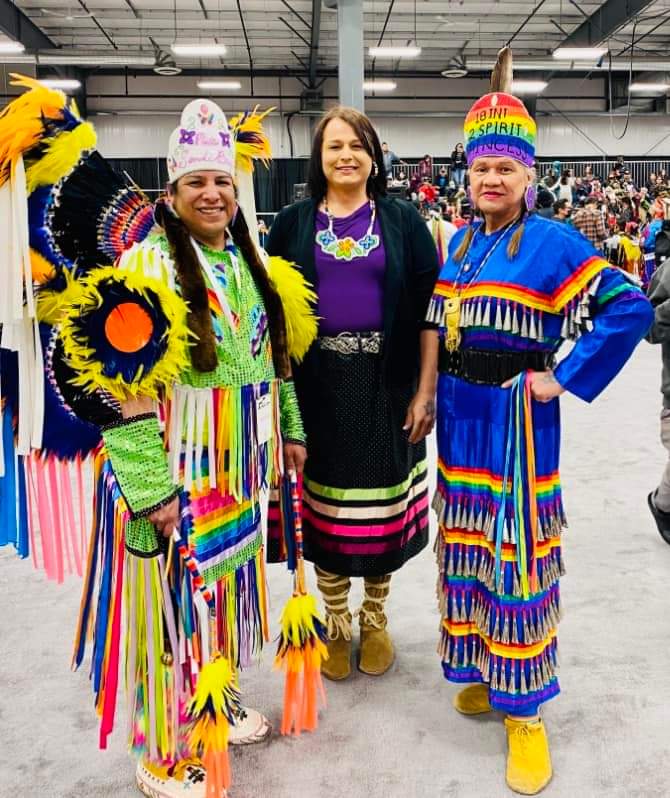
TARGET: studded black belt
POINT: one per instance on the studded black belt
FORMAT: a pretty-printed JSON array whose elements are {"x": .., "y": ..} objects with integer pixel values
[{"x": 488, "y": 367}]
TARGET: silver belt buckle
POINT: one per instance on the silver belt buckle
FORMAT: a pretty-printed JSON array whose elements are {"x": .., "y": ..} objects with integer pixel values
[{"x": 346, "y": 343}]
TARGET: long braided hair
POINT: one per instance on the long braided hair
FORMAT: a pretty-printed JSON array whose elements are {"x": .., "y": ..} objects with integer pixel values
[{"x": 194, "y": 290}]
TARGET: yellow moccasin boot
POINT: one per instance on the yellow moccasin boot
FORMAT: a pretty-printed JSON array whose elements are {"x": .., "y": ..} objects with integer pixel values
[
  {"x": 473, "y": 700},
  {"x": 186, "y": 779},
  {"x": 377, "y": 652},
  {"x": 528, "y": 759},
  {"x": 338, "y": 665},
  {"x": 334, "y": 590}
]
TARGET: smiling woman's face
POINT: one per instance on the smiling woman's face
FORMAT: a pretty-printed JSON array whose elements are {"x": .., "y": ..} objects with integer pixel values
[
  {"x": 345, "y": 162},
  {"x": 205, "y": 202},
  {"x": 497, "y": 184}
]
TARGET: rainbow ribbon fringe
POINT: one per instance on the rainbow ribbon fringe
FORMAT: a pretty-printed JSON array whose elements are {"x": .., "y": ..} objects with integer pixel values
[{"x": 520, "y": 473}]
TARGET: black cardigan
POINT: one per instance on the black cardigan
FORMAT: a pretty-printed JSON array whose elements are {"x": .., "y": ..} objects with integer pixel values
[{"x": 411, "y": 272}]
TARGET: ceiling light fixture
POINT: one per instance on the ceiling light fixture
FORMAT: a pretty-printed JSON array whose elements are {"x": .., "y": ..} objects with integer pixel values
[
  {"x": 8, "y": 58},
  {"x": 219, "y": 85},
  {"x": 408, "y": 51},
  {"x": 379, "y": 85},
  {"x": 656, "y": 88},
  {"x": 61, "y": 83},
  {"x": 579, "y": 53},
  {"x": 96, "y": 59},
  {"x": 528, "y": 86},
  {"x": 199, "y": 50},
  {"x": 11, "y": 47}
]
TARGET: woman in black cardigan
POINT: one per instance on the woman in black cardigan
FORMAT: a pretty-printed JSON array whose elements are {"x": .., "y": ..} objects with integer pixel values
[{"x": 366, "y": 388}]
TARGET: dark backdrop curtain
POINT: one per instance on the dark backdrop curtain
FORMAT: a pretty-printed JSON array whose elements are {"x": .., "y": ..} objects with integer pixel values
[
  {"x": 274, "y": 186},
  {"x": 150, "y": 174}
]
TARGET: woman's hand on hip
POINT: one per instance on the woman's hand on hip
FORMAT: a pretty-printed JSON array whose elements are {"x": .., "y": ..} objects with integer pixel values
[
  {"x": 420, "y": 418},
  {"x": 295, "y": 455},
  {"x": 166, "y": 518},
  {"x": 543, "y": 385}
]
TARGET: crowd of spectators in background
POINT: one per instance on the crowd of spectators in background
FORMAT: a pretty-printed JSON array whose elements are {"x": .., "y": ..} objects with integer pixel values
[{"x": 619, "y": 215}]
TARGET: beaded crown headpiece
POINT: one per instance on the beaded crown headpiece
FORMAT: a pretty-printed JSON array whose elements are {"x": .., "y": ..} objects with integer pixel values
[{"x": 203, "y": 141}]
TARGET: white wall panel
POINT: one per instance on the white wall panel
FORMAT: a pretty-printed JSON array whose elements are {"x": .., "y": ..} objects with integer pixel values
[
  {"x": 403, "y": 118},
  {"x": 147, "y": 136},
  {"x": 646, "y": 135}
]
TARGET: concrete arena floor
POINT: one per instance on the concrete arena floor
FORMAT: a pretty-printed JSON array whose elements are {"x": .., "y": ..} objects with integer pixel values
[{"x": 397, "y": 737}]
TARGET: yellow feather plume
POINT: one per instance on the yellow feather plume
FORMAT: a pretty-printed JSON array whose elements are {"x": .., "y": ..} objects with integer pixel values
[
  {"x": 62, "y": 152},
  {"x": 251, "y": 143},
  {"x": 298, "y": 300},
  {"x": 215, "y": 693},
  {"x": 211, "y": 711},
  {"x": 21, "y": 120},
  {"x": 299, "y": 637}
]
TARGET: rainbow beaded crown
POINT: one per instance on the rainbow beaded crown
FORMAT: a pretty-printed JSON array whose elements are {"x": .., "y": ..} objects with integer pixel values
[{"x": 499, "y": 124}]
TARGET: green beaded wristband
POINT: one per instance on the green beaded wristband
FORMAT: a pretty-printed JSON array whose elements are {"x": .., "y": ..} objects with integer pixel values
[
  {"x": 139, "y": 461},
  {"x": 289, "y": 409}
]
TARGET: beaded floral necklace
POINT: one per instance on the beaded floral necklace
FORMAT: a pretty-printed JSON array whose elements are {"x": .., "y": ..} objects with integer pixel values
[{"x": 348, "y": 248}]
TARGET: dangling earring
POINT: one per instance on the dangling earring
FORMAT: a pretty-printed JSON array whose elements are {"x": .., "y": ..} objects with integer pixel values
[
  {"x": 529, "y": 197},
  {"x": 375, "y": 169}
]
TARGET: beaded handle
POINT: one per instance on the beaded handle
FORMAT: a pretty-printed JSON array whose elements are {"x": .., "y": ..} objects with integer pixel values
[
  {"x": 199, "y": 584},
  {"x": 296, "y": 506},
  {"x": 189, "y": 561}
]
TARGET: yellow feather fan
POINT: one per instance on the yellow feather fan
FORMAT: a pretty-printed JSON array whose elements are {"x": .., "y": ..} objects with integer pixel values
[
  {"x": 298, "y": 300},
  {"x": 42, "y": 269},
  {"x": 107, "y": 292}
]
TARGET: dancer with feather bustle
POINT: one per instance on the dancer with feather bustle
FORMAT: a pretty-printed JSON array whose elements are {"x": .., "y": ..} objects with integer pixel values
[{"x": 170, "y": 368}]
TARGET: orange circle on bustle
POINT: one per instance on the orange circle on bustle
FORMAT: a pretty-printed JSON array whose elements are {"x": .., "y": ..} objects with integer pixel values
[{"x": 128, "y": 327}]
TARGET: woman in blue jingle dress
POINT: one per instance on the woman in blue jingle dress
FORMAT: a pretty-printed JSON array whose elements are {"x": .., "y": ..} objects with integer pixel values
[{"x": 514, "y": 287}]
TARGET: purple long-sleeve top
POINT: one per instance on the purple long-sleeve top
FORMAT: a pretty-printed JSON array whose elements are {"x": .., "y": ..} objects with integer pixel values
[{"x": 351, "y": 293}]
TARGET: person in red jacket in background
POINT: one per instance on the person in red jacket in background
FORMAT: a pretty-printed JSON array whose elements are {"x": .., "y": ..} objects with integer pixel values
[{"x": 430, "y": 192}]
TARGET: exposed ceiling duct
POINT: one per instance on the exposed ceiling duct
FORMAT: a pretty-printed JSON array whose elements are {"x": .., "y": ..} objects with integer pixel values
[
  {"x": 456, "y": 68},
  {"x": 165, "y": 64}
]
